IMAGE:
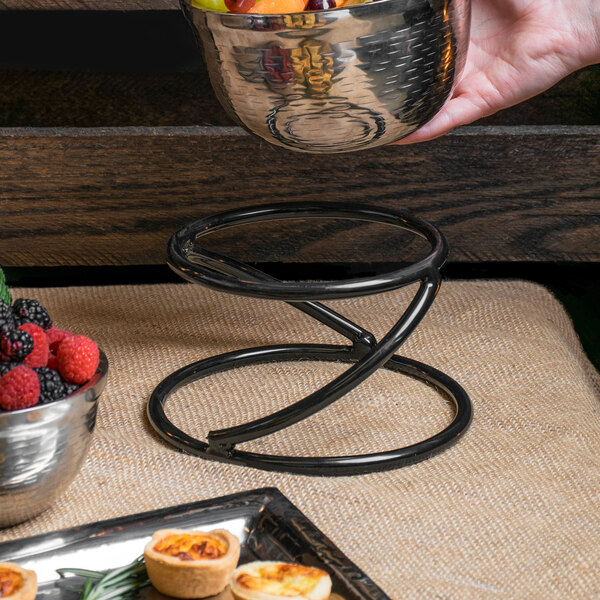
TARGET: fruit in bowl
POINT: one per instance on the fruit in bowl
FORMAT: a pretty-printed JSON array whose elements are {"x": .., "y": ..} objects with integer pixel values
[
  {"x": 273, "y": 7},
  {"x": 40, "y": 363},
  {"x": 50, "y": 383}
]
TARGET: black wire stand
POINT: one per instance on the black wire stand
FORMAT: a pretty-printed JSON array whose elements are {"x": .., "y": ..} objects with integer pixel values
[{"x": 365, "y": 354}]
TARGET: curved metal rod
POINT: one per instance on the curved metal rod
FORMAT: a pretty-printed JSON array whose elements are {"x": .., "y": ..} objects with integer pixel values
[
  {"x": 340, "y": 386},
  {"x": 366, "y": 354},
  {"x": 317, "y": 465},
  {"x": 182, "y": 243},
  {"x": 223, "y": 440},
  {"x": 362, "y": 338}
]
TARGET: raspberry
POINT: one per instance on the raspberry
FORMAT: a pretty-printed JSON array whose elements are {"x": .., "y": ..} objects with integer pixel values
[
  {"x": 55, "y": 337},
  {"x": 31, "y": 311},
  {"x": 38, "y": 357},
  {"x": 15, "y": 345},
  {"x": 7, "y": 321},
  {"x": 52, "y": 386},
  {"x": 78, "y": 358},
  {"x": 52, "y": 361},
  {"x": 19, "y": 388}
]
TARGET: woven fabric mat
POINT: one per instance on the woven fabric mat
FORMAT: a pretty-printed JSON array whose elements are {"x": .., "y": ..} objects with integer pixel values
[{"x": 512, "y": 510}]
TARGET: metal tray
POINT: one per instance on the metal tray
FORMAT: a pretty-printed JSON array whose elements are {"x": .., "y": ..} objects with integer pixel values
[{"x": 267, "y": 524}]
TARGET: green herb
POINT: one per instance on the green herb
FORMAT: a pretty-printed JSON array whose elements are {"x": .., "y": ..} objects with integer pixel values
[
  {"x": 4, "y": 291},
  {"x": 123, "y": 582}
]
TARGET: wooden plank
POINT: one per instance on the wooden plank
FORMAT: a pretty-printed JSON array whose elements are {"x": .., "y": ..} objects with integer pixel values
[{"x": 114, "y": 196}]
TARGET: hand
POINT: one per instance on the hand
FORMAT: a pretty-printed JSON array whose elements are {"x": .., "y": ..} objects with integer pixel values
[{"x": 518, "y": 49}]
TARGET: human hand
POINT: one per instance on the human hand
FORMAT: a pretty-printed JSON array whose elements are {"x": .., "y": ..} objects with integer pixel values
[{"x": 518, "y": 49}]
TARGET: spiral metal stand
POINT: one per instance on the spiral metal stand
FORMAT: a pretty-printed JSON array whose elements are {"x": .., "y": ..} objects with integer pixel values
[{"x": 365, "y": 354}]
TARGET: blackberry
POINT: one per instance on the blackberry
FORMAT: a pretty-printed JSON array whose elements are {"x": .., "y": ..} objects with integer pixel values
[
  {"x": 52, "y": 386},
  {"x": 7, "y": 320},
  {"x": 15, "y": 345},
  {"x": 5, "y": 367},
  {"x": 31, "y": 311},
  {"x": 70, "y": 388}
]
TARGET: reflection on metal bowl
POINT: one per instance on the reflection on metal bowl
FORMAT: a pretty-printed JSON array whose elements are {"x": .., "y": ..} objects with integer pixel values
[
  {"x": 288, "y": 125},
  {"x": 336, "y": 80},
  {"x": 42, "y": 448}
]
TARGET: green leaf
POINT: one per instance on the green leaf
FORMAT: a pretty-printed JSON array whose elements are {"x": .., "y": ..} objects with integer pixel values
[
  {"x": 113, "y": 584},
  {"x": 89, "y": 582},
  {"x": 4, "y": 291}
]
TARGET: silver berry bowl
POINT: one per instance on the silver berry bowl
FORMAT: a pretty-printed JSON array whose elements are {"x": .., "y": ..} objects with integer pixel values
[
  {"x": 336, "y": 80},
  {"x": 42, "y": 448}
]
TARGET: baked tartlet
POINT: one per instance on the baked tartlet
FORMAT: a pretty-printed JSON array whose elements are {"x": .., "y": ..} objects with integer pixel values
[
  {"x": 267, "y": 580},
  {"x": 17, "y": 583},
  {"x": 191, "y": 564}
]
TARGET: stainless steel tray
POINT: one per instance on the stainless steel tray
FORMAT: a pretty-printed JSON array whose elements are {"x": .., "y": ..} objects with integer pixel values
[{"x": 267, "y": 524}]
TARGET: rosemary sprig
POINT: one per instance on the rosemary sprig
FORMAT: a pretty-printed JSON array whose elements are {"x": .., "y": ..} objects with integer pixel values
[{"x": 114, "y": 584}]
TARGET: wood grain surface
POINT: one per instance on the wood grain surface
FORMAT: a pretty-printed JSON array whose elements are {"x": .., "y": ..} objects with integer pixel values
[{"x": 114, "y": 196}]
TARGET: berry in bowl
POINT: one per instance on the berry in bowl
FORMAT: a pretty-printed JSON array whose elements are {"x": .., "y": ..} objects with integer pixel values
[
  {"x": 270, "y": 7},
  {"x": 50, "y": 383}
]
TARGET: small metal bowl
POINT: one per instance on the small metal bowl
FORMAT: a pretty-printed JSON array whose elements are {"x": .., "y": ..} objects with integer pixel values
[
  {"x": 336, "y": 80},
  {"x": 42, "y": 448}
]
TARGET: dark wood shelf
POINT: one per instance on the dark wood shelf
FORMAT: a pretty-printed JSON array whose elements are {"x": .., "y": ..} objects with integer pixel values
[{"x": 113, "y": 196}]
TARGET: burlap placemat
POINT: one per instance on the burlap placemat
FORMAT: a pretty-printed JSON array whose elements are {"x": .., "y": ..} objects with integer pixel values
[{"x": 512, "y": 510}]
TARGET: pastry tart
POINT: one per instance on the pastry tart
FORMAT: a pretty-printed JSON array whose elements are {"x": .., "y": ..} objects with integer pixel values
[
  {"x": 265, "y": 580},
  {"x": 191, "y": 564},
  {"x": 17, "y": 583}
]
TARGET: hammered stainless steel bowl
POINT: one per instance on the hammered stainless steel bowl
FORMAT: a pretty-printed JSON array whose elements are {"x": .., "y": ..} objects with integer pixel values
[
  {"x": 42, "y": 448},
  {"x": 337, "y": 80}
]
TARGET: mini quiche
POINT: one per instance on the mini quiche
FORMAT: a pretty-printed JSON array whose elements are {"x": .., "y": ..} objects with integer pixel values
[
  {"x": 191, "y": 564},
  {"x": 265, "y": 580},
  {"x": 17, "y": 583}
]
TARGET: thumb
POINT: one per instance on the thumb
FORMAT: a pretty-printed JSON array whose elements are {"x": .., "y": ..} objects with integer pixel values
[{"x": 459, "y": 110}]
